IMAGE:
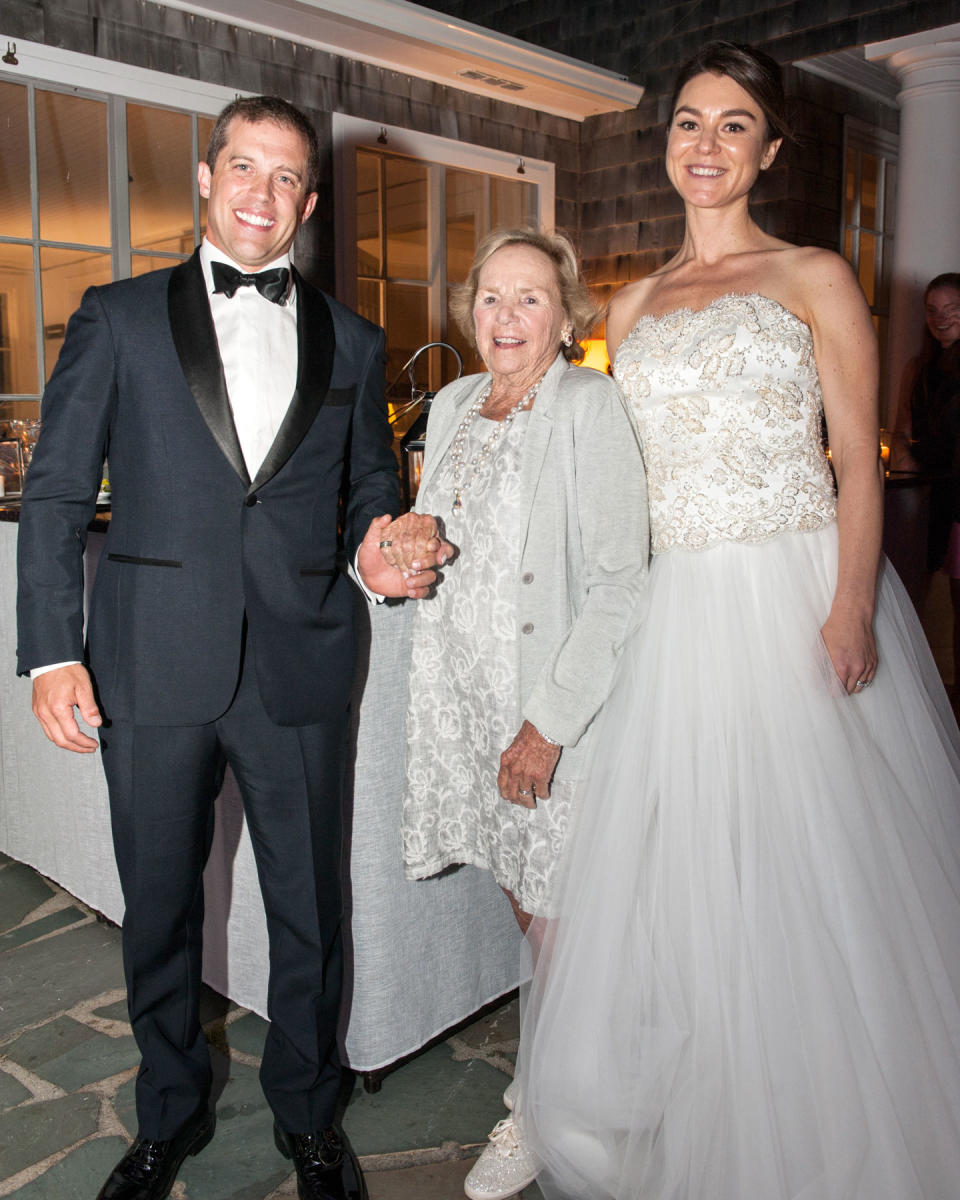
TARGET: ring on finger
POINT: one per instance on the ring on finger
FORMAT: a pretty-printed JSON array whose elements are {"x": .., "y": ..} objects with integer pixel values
[
  {"x": 386, "y": 542},
  {"x": 863, "y": 683},
  {"x": 522, "y": 792}
]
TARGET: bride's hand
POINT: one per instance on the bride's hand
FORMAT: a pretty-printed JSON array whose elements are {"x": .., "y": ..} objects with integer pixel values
[{"x": 853, "y": 651}]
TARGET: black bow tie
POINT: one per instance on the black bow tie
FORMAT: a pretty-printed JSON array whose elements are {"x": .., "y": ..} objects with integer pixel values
[{"x": 272, "y": 284}]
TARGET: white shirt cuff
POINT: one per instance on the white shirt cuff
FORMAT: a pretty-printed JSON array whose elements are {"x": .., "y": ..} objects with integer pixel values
[
  {"x": 35, "y": 672},
  {"x": 373, "y": 597}
]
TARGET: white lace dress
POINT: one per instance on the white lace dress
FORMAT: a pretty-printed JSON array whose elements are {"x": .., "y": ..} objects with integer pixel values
[
  {"x": 752, "y": 991},
  {"x": 464, "y": 706}
]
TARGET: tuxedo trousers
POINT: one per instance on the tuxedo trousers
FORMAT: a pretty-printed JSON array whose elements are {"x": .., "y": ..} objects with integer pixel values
[{"x": 162, "y": 782}]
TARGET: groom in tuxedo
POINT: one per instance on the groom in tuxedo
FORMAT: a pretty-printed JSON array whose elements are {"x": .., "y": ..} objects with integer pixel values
[{"x": 249, "y": 450}]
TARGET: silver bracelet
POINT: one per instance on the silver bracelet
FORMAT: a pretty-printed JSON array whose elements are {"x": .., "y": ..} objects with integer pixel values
[{"x": 549, "y": 740}]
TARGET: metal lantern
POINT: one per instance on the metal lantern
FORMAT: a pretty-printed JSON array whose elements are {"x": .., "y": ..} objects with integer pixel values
[{"x": 414, "y": 440}]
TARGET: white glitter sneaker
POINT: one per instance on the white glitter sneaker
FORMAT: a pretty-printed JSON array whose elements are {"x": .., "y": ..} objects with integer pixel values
[
  {"x": 505, "y": 1167},
  {"x": 510, "y": 1095}
]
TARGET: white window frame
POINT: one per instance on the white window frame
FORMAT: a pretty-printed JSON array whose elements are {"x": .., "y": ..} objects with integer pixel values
[
  {"x": 868, "y": 139},
  {"x": 355, "y": 133},
  {"x": 113, "y": 84},
  {"x": 858, "y": 135},
  {"x": 87, "y": 73}
]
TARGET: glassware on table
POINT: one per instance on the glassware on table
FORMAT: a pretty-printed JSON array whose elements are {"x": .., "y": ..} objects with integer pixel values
[
  {"x": 11, "y": 466},
  {"x": 26, "y": 430}
]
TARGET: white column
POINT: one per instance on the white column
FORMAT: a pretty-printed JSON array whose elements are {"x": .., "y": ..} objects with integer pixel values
[{"x": 927, "y": 234}]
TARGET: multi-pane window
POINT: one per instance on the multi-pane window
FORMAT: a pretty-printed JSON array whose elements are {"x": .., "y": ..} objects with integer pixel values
[
  {"x": 418, "y": 226},
  {"x": 92, "y": 188},
  {"x": 413, "y": 213},
  {"x": 166, "y": 210},
  {"x": 869, "y": 178}
]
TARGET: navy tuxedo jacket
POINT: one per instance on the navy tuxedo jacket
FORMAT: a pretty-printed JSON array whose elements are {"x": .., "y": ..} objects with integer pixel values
[{"x": 194, "y": 545}]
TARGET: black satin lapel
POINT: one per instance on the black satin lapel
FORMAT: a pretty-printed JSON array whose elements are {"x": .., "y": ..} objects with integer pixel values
[
  {"x": 195, "y": 339},
  {"x": 316, "y": 342}
]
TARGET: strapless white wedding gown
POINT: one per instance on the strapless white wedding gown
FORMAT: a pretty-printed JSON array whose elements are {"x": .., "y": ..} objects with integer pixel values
[{"x": 753, "y": 989}]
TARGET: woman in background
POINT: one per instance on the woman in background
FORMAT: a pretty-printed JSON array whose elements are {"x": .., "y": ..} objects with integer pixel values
[{"x": 928, "y": 421}]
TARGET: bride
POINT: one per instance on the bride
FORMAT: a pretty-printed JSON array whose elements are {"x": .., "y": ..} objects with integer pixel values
[{"x": 753, "y": 989}]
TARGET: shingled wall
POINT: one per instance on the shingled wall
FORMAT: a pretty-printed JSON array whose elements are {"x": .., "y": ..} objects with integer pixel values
[
  {"x": 147, "y": 34},
  {"x": 630, "y": 219},
  {"x": 612, "y": 192}
]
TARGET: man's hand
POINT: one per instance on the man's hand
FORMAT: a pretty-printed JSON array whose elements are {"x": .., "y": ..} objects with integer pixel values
[
  {"x": 55, "y": 695},
  {"x": 526, "y": 767},
  {"x": 380, "y": 576}
]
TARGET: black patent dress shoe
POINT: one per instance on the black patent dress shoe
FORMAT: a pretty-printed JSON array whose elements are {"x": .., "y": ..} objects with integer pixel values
[
  {"x": 148, "y": 1169},
  {"x": 327, "y": 1168}
]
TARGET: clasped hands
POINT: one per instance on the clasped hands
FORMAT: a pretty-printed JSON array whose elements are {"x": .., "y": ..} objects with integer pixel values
[{"x": 399, "y": 557}]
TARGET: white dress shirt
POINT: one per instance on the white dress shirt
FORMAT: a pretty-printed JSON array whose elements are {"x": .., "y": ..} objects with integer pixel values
[{"x": 258, "y": 348}]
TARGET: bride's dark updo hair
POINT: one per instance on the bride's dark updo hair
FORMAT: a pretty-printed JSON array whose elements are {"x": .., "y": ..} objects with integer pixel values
[{"x": 757, "y": 73}]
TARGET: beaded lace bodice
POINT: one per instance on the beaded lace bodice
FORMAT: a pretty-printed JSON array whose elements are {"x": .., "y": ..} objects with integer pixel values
[{"x": 728, "y": 406}]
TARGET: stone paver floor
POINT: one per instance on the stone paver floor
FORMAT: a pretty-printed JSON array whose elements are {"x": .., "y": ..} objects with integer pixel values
[{"x": 67, "y": 1063}]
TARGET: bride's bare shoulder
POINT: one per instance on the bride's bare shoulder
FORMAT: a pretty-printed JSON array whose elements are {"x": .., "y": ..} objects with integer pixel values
[
  {"x": 626, "y": 308},
  {"x": 807, "y": 258},
  {"x": 812, "y": 279}
]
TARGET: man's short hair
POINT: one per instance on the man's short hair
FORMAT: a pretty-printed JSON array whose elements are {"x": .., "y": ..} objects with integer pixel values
[{"x": 267, "y": 108}]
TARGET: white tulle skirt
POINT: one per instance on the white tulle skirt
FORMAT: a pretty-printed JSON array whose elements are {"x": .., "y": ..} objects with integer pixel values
[{"x": 753, "y": 989}]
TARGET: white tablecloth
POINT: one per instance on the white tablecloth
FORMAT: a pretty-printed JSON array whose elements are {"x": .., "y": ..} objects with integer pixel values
[{"x": 421, "y": 957}]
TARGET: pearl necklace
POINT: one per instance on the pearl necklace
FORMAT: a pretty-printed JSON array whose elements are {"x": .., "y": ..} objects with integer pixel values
[{"x": 484, "y": 456}]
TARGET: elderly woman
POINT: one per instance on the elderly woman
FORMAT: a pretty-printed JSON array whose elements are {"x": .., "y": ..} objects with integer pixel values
[{"x": 536, "y": 471}]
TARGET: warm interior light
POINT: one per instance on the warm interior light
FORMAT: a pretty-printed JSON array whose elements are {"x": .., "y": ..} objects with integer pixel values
[{"x": 596, "y": 355}]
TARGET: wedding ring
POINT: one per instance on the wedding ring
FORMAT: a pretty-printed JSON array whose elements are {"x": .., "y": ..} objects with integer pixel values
[
  {"x": 386, "y": 542},
  {"x": 523, "y": 791},
  {"x": 862, "y": 683}
]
